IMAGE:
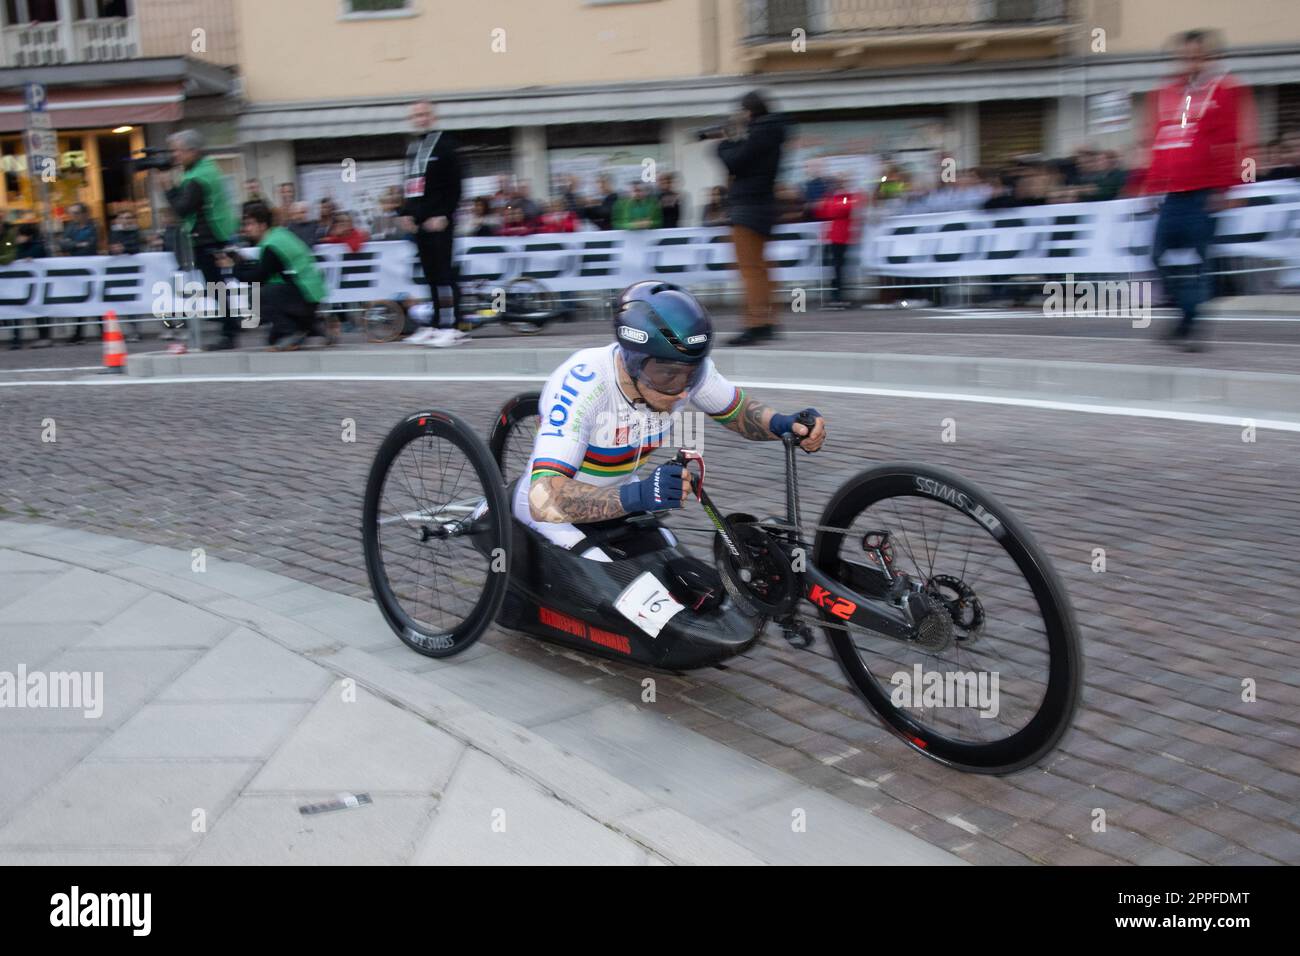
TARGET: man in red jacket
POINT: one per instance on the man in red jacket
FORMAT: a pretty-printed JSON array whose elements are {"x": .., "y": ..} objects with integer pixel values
[
  {"x": 837, "y": 209},
  {"x": 1199, "y": 127}
]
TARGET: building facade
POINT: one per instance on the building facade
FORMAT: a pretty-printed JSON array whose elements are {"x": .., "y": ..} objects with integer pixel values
[
  {"x": 316, "y": 92},
  {"x": 119, "y": 76},
  {"x": 573, "y": 86}
]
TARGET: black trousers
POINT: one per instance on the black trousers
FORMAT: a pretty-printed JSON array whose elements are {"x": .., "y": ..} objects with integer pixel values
[
  {"x": 205, "y": 262},
  {"x": 42, "y": 328},
  {"x": 440, "y": 270},
  {"x": 835, "y": 253},
  {"x": 285, "y": 311}
]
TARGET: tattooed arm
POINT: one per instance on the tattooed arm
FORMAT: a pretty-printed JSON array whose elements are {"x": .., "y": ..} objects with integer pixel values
[
  {"x": 752, "y": 420},
  {"x": 557, "y": 498}
]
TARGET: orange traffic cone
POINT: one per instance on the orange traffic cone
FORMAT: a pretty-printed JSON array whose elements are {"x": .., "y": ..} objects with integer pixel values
[{"x": 114, "y": 345}]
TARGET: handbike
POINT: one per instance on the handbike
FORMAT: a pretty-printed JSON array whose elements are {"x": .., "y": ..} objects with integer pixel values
[{"x": 940, "y": 609}]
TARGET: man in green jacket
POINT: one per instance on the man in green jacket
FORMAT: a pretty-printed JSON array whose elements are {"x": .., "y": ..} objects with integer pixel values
[
  {"x": 638, "y": 211},
  {"x": 291, "y": 284},
  {"x": 198, "y": 197}
]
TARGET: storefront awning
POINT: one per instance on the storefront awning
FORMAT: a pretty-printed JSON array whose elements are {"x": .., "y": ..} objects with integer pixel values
[{"x": 89, "y": 108}]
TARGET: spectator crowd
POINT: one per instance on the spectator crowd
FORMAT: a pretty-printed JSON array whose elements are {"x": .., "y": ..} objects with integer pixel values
[{"x": 1088, "y": 175}]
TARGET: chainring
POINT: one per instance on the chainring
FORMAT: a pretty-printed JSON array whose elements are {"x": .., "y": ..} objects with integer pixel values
[{"x": 771, "y": 590}]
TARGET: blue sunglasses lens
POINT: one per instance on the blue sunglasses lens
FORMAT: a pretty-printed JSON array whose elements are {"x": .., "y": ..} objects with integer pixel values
[{"x": 670, "y": 377}]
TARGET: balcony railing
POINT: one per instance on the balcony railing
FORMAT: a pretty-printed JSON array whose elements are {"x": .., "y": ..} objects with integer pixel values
[
  {"x": 768, "y": 21},
  {"x": 35, "y": 44},
  {"x": 88, "y": 41},
  {"x": 109, "y": 39}
]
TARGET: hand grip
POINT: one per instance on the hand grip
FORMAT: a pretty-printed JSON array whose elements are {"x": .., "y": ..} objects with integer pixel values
[{"x": 686, "y": 457}]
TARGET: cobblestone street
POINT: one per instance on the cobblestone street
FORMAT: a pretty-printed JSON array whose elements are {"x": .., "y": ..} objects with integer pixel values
[{"x": 1198, "y": 528}]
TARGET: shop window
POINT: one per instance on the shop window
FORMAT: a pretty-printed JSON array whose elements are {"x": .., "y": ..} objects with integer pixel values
[
  {"x": 13, "y": 171},
  {"x": 232, "y": 175},
  {"x": 362, "y": 8}
]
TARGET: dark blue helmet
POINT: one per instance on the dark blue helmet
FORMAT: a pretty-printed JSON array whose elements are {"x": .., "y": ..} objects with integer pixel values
[{"x": 662, "y": 321}]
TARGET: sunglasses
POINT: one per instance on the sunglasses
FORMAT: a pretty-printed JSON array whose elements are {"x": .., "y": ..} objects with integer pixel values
[{"x": 669, "y": 378}]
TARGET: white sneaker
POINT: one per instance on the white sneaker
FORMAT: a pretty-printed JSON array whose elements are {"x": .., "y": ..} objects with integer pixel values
[
  {"x": 420, "y": 337},
  {"x": 443, "y": 338}
]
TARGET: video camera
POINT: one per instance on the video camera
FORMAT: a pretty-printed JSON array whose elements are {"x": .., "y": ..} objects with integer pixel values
[
  {"x": 151, "y": 157},
  {"x": 711, "y": 132}
]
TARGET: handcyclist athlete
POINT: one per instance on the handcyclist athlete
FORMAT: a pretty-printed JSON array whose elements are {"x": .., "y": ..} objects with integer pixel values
[{"x": 606, "y": 409}]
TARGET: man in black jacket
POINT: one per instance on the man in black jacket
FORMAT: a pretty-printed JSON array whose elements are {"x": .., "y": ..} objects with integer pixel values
[
  {"x": 751, "y": 152},
  {"x": 432, "y": 193}
]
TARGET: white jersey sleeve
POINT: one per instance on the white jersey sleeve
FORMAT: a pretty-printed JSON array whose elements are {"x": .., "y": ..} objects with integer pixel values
[{"x": 715, "y": 396}]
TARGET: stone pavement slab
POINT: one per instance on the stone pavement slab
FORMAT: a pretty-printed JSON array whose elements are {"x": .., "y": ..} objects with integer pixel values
[
  {"x": 353, "y": 741},
  {"x": 31, "y": 759},
  {"x": 247, "y": 666},
  {"x": 204, "y": 730},
  {"x": 490, "y": 815},
  {"x": 269, "y": 830},
  {"x": 223, "y": 719},
  {"x": 141, "y": 805}
]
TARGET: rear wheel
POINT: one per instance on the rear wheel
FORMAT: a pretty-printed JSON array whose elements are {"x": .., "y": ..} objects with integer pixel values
[
  {"x": 992, "y": 683},
  {"x": 385, "y": 321},
  {"x": 513, "y": 434},
  {"x": 436, "y": 533},
  {"x": 528, "y": 305}
]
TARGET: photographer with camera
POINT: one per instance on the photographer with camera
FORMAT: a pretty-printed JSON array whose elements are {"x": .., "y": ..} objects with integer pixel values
[
  {"x": 291, "y": 283},
  {"x": 751, "y": 151},
  {"x": 198, "y": 197}
]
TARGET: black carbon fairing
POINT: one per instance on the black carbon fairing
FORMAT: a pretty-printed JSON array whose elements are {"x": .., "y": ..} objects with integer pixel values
[{"x": 560, "y": 596}]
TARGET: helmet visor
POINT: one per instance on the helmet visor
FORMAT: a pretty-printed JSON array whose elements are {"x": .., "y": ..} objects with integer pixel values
[{"x": 667, "y": 377}]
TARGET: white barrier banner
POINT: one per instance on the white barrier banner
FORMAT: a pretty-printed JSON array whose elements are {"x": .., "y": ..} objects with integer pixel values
[
  {"x": 83, "y": 286},
  {"x": 1080, "y": 238},
  {"x": 147, "y": 284}
]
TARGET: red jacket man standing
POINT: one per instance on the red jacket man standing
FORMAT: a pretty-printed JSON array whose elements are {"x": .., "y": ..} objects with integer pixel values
[
  {"x": 837, "y": 209},
  {"x": 1199, "y": 127}
]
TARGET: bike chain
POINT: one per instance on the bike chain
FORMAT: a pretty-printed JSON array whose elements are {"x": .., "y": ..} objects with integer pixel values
[{"x": 783, "y": 525}]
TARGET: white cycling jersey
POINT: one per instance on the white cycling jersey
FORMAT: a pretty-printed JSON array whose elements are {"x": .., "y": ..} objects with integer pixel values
[{"x": 590, "y": 431}]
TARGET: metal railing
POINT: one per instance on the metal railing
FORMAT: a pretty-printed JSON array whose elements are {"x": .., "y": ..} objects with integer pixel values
[
  {"x": 774, "y": 20},
  {"x": 113, "y": 38},
  {"x": 34, "y": 44}
]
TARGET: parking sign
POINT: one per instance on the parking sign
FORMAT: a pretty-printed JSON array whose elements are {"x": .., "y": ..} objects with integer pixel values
[
  {"x": 42, "y": 140},
  {"x": 35, "y": 95}
]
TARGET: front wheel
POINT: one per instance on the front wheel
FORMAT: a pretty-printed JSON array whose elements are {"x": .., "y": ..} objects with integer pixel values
[
  {"x": 436, "y": 533},
  {"x": 991, "y": 682}
]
